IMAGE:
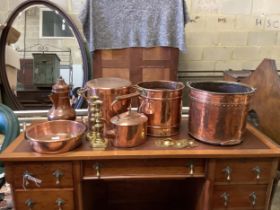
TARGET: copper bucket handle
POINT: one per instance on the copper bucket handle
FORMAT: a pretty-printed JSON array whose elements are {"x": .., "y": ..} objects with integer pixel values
[{"x": 123, "y": 97}]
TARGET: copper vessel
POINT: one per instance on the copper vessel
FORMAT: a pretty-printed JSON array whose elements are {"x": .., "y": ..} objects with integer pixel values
[
  {"x": 56, "y": 136},
  {"x": 61, "y": 109},
  {"x": 129, "y": 129},
  {"x": 107, "y": 89},
  {"x": 218, "y": 111},
  {"x": 161, "y": 102}
]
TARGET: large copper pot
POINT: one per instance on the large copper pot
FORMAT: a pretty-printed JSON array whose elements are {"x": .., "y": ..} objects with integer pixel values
[
  {"x": 218, "y": 111},
  {"x": 161, "y": 102},
  {"x": 107, "y": 89}
]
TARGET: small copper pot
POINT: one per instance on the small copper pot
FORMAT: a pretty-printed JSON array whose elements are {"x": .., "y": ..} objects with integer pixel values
[
  {"x": 129, "y": 129},
  {"x": 218, "y": 111}
]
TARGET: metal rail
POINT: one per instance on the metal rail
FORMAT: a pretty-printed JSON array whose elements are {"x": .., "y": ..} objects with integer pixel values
[{"x": 26, "y": 117}]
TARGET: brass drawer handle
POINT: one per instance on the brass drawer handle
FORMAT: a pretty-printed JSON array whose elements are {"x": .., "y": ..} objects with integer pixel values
[
  {"x": 258, "y": 171},
  {"x": 225, "y": 196},
  {"x": 60, "y": 202},
  {"x": 191, "y": 167},
  {"x": 58, "y": 175},
  {"x": 253, "y": 198},
  {"x": 29, "y": 203},
  {"x": 227, "y": 170},
  {"x": 97, "y": 168}
]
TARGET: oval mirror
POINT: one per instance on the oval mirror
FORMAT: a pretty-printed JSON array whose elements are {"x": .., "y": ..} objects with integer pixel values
[{"x": 40, "y": 43}]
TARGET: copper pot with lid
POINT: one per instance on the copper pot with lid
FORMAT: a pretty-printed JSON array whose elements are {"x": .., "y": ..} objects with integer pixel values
[
  {"x": 129, "y": 129},
  {"x": 218, "y": 111},
  {"x": 61, "y": 109}
]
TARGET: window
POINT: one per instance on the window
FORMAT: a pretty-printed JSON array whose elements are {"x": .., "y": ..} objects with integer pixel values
[{"x": 53, "y": 25}]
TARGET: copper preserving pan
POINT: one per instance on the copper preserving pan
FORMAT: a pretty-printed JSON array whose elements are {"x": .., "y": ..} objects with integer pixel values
[
  {"x": 161, "y": 102},
  {"x": 218, "y": 111},
  {"x": 56, "y": 136}
]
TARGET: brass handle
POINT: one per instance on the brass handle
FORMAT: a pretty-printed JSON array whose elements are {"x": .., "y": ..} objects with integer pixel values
[
  {"x": 58, "y": 174},
  {"x": 191, "y": 167},
  {"x": 82, "y": 92},
  {"x": 97, "y": 168},
  {"x": 227, "y": 170},
  {"x": 253, "y": 198},
  {"x": 258, "y": 171},
  {"x": 27, "y": 177},
  {"x": 29, "y": 203},
  {"x": 59, "y": 202},
  {"x": 225, "y": 196}
]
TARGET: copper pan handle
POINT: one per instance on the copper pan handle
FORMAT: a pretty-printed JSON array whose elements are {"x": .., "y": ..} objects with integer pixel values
[
  {"x": 127, "y": 96},
  {"x": 123, "y": 97}
]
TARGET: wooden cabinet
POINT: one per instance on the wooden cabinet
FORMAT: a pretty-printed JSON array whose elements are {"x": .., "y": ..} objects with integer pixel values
[
  {"x": 46, "y": 69},
  {"x": 44, "y": 199},
  {"x": 147, "y": 177},
  {"x": 242, "y": 183},
  {"x": 43, "y": 185},
  {"x": 137, "y": 64}
]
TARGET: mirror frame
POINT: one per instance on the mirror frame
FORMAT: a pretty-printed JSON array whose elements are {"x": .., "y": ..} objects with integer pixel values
[{"x": 8, "y": 93}]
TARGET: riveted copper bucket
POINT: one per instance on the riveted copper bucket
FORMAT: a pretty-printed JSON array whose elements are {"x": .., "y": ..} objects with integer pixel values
[
  {"x": 161, "y": 102},
  {"x": 218, "y": 111}
]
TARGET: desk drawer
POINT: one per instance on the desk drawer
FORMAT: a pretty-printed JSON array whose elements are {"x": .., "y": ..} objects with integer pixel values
[
  {"x": 243, "y": 171},
  {"x": 152, "y": 168},
  {"x": 44, "y": 199},
  {"x": 239, "y": 197},
  {"x": 52, "y": 175}
]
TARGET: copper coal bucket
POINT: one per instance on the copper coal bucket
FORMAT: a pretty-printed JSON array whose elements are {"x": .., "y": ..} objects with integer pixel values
[
  {"x": 161, "y": 102},
  {"x": 218, "y": 111}
]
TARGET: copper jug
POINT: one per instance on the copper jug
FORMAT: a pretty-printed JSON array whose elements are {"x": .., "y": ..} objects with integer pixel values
[{"x": 61, "y": 109}]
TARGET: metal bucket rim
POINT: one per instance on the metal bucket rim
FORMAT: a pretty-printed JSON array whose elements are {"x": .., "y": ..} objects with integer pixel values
[
  {"x": 180, "y": 86},
  {"x": 250, "y": 91}
]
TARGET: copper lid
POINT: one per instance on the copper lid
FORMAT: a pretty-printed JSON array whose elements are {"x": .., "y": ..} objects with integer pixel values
[
  {"x": 60, "y": 86},
  {"x": 129, "y": 118},
  {"x": 108, "y": 83}
]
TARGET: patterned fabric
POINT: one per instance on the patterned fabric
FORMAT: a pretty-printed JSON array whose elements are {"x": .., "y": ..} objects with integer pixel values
[{"x": 116, "y": 24}]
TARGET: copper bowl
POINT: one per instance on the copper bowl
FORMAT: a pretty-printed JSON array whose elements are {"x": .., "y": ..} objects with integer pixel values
[{"x": 56, "y": 136}]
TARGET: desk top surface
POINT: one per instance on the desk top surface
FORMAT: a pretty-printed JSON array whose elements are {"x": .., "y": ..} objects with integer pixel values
[{"x": 255, "y": 144}]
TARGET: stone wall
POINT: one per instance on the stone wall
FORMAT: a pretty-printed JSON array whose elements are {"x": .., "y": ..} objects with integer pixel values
[{"x": 230, "y": 34}]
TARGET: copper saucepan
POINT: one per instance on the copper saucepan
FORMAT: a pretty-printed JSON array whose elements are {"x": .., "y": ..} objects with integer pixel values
[
  {"x": 218, "y": 111},
  {"x": 129, "y": 128}
]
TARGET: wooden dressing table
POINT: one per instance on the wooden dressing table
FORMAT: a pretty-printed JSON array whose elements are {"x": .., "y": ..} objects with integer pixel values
[{"x": 145, "y": 177}]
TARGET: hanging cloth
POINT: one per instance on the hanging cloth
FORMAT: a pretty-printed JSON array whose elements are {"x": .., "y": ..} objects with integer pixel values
[{"x": 117, "y": 24}]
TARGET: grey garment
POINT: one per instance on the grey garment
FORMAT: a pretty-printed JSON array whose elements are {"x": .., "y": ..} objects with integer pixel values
[{"x": 116, "y": 24}]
